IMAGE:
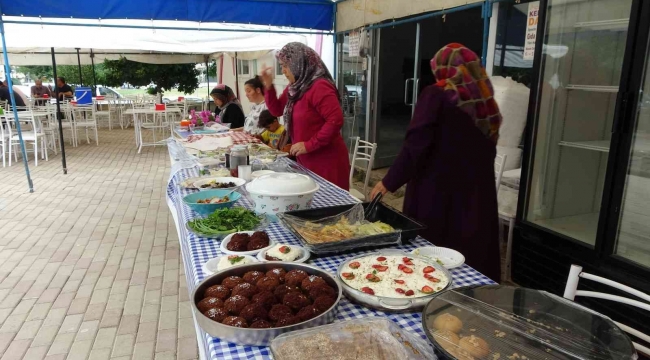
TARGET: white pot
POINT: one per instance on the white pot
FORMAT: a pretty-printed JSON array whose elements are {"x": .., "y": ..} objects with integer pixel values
[{"x": 280, "y": 192}]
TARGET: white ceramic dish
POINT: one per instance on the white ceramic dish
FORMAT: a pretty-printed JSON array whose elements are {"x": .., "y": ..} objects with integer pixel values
[
  {"x": 446, "y": 257},
  {"x": 236, "y": 181},
  {"x": 227, "y": 239},
  {"x": 211, "y": 266},
  {"x": 279, "y": 192},
  {"x": 261, "y": 256}
]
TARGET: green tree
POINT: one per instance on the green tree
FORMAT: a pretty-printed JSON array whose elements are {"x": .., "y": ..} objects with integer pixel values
[
  {"x": 35, "y": 72},
  {"x": 69, "y": 72},
  {"x": 163, "y": 77}
]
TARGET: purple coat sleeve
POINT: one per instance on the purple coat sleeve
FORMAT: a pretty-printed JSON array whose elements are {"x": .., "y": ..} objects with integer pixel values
[{"x": 419, "y": 141}]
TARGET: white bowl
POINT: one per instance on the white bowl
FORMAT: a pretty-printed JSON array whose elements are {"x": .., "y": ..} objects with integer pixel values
[
  {"x": 210, "y": 266},
  {"x": 305, "y": 254},
  {"x": 227, "y": 239},
  {"x": 236, "y": 181},
  {"x": 259, "y": 173},
  {"x": 449, "y": 258},
  {"x": 279, "y": 192}
]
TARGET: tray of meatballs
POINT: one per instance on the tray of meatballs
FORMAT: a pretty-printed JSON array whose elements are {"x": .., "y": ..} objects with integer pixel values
[{"x": 252, "y": 304}]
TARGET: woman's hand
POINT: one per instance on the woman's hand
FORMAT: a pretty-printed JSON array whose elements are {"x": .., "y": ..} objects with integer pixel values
[
  {"x": 379, "y": 188},
  {"x": 298, "y": 149},
  {"x": 267, "y": 76}
]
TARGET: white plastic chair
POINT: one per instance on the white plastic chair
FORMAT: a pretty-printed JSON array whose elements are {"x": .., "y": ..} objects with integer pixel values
[
  {"x": 571, "y": 291},
  {"x": 98, "y": 115},
  {"x": 499, "y": 165},
  {"x": 365, "y": 152},
  {"x": 33, "y": 133},
  {"x": 84, "y": 119},
  {"x": 5, "y": 135}
]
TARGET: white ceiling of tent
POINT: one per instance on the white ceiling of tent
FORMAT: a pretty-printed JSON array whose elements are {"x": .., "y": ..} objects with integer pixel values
[{"x": 29, "y": 44}]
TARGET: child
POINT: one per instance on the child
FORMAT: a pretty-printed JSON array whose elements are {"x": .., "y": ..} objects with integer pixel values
[{"x": 274, "y": 130}]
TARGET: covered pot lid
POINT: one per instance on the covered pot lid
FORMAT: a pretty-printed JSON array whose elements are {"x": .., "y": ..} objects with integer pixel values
[{"x": 282, "y": 184}]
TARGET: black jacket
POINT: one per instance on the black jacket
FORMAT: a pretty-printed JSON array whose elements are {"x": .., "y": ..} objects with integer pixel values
[{"x": 233, "y": 115}]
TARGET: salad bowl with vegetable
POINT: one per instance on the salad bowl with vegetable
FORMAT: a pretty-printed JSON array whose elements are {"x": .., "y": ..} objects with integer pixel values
[{"x": 224, "y": 222}]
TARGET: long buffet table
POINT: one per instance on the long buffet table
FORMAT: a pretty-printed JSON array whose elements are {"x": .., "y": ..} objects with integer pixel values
[{"x": 195, "y": 251}]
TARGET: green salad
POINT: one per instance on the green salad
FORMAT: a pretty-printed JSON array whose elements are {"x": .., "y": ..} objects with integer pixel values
[{"x": 226, "y": 220}]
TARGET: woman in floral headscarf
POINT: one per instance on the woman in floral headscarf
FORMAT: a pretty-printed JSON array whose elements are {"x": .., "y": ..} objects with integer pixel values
[
  {"x": 229, "y": 106},
  {"x": 312, "y": 113},
  {"x": 448, "y": 160}
]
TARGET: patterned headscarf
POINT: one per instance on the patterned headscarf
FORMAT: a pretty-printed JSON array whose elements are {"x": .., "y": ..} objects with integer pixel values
[
  {"x": 307, "y": 67},
  {"x": 459, "y": 72}
]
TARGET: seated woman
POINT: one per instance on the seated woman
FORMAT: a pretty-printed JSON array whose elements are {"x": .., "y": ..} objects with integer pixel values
[
  {"x": 274, "y": 131},
  {"x": 255, "y": 93},
  {"x": 230, "y": 109}
]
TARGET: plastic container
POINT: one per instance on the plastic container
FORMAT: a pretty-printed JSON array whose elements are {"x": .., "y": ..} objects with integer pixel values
[
  {"x": 83, "y": 95},
  {"x": 279, "y": 192},
  {"x": 367, "y": 338},
  {"x": 408, "y": 228},
  {"x": 160, "y": 107},
  {"x": 497, "y": 322}
]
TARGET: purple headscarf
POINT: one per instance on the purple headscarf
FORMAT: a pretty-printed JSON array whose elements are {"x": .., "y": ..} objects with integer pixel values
[{"x": 307, "y": 67}]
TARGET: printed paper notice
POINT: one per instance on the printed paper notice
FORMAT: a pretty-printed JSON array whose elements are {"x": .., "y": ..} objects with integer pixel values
[
  {"x": 355, "y": 43},
  {"x": 531, "y": 30}
]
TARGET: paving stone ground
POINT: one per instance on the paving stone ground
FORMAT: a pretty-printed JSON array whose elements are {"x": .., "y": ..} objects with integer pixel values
[{"x": 90, "y": 265}]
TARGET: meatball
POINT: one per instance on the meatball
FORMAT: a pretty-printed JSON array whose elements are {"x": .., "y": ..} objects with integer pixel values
[
  {"x": 295, "y": 277},
  {"x": 232, "y": 281},
  {"x": 218, "y": 291},
  {"x": 235, "y": 321},
  {"x": 296, "y": 301},
  {"x": 216, "y": 314},
  {"x": 245, "y": 289},
  {"x": 279, "y": 312},
  {"x": 257, "y": 243},
  {"x": 284, "y": 289},
  {"x": 209, "y": 303},
  {"x": 254, "y": 312},
  {"x": 266, "y": 299},
  {"x": 235, "y": 304},
  {"x": 261, "y": 236},
  {"x": 253, "y": 276},
  {"x": 278, "y": 273},
  {"x": 324, "y": 302},
  {"x": 308, "y": 312},
  {"x": 261, "y": 324},
  {"x": 312, "y": 280},
  {"x": 268, "y": 283},
  {"x": 238, "y": 242},
  {"x": 322, "y": 290},
  {"x": 291, "y": 320}
]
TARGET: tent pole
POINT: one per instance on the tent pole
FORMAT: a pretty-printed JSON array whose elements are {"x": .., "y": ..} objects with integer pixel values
[
  {"x": 13, "y": 107},
  {"x": 207, "y": 75},
  {"x": 236, "y": 75},
  {"x": 81, "y": 80},
  {"x": 335, "y": 40},
  {"x": 486, "y": 30},
  {"x": 58, "y": 115},
  {"x": 92, "y": 61}
]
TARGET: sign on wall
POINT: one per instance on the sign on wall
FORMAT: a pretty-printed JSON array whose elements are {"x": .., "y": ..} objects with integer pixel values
[
  {"x": 355, "y": 43},
  {"x": 531, "y": 30}
]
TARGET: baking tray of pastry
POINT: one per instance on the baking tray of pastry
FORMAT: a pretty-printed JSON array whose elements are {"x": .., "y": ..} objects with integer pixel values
[{"x": 502, "y": 322}]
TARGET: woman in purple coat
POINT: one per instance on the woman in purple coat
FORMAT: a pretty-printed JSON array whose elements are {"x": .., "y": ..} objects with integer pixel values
[{"x": 448, "y": 161}]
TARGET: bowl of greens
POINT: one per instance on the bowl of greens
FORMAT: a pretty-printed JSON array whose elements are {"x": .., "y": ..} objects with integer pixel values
[{"x": 224, "y": 222}]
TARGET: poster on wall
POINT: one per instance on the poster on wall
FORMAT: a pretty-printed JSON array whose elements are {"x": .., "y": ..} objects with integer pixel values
[
  {"x": 355, "y": 43},
  {"x": 531, "y": 30}
]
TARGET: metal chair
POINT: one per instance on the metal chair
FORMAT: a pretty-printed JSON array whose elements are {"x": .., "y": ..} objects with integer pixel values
[
  {"x": 571, "y": 291},
  {"x": 365, "y": 152}
]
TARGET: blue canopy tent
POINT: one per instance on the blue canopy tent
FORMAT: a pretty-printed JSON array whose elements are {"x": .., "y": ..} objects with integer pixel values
[{"x": 304, "y": 14}]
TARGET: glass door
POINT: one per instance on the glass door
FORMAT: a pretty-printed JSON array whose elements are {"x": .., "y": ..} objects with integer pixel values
[
  {"x": 395, "y": 78},
  {"x": 580, "y": 70}
]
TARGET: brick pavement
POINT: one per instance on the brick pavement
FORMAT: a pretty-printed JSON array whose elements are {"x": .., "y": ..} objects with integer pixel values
[{"x": 90, "y": 262}]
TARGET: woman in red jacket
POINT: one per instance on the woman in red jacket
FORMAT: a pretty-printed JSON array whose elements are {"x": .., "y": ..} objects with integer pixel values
[{"x": 312, "y": 113}]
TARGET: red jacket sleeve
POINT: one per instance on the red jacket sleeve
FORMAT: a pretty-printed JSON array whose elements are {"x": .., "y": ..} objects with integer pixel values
[
  {"x": 419, "y": 140},
  {"x": 324, "y": 98},
  {"x": 274, "y": 104}
]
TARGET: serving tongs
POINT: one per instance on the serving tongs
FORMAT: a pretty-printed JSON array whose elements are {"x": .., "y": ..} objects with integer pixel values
[{"x": 371, "y": 211}]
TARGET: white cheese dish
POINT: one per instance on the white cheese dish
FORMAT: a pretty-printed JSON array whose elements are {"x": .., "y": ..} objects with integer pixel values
[
  {"x": 284, "y": 252},
  {"x": 225, "y": 262}
]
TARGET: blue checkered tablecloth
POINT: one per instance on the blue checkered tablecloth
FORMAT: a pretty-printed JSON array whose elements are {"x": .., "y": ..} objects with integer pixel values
[{"x": 196, "y": 251}]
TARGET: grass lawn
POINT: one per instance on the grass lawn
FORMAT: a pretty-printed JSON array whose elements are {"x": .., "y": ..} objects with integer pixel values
[{"x": 200, "y": 92}]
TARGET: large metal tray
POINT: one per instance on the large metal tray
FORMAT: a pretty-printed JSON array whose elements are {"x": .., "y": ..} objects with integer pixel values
[{"x": 408, "y": 227}]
